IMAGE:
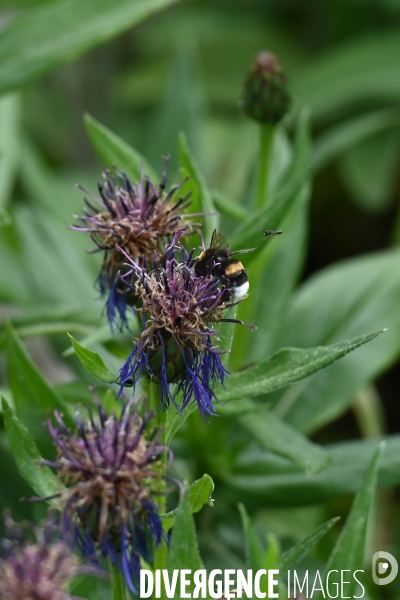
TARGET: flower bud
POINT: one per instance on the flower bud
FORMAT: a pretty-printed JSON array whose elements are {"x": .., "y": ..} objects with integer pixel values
[{"x": 265, "y": 95}]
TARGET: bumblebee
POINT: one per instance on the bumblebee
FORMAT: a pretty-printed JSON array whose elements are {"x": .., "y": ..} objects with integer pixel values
[{"x": 216, "y": 260}]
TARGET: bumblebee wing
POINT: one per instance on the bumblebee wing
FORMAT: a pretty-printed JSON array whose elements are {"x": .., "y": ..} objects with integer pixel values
[{"x": 218, "y": 240}]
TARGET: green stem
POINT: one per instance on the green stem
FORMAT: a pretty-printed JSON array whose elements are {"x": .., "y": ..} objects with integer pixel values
[
  {"x": 118, "y": 587},
  {"x": 161, "y": 553},
  {"x": 367, "y": 408},
  {"x": 264, "y": 159}
]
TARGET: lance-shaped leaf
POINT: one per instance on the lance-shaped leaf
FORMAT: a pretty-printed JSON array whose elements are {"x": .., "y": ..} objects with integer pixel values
[
  {"x": 279, "y": 370},
  {"x": 27, "y": 456},
  {"x": 349, "y": 551},
  {"x": 286, "y": 366},
  {"x": 184, "y": 552},
  {"x": 33, "y": 397},
  {"x": 271, "y": 433},
  {"x": 202, "y": 200},
  {"x": 293, "y": 556},
  {"x": 279, "y": 483},
  {"x": 9, "y": 147},
  {"x": 199, "y": 494},
  {"x": 112, "y": 150},
  {"x": 45, "y": 37},
  {"x": 93, "y": 362},
  {"x": 342, "y": 302},
  {"x": 255, "y": 553}
]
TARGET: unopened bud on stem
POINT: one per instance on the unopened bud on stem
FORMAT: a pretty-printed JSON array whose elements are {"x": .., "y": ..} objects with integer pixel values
[{"x": 265, "y": 96}]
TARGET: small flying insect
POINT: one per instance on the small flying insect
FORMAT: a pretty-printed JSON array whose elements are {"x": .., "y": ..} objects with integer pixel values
[
  {"x": 216, "y": 260},
  {"x": 269, "y": 232}
]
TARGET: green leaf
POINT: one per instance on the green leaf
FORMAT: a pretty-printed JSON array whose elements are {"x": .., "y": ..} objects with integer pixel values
[
  {"x": 175, "y": 112},
  {"x": 9, "y": 142},
  {"x": 184, "y": 551},
  {"x": 202, "y": 200},
  {"x": 273, "y": 434},
  {"x": 279, "y": 483},
  {"x": 279, "y": 370},
  {"x": 173, "y": 422},
  {"x": 369, "y": 170},
  {"x": 349, "y": 550},
  {"x": 45, "y": 241},
  {"x": 34, "y": 398},
  {"x": 293, "y": 556},
  {"x": 29, "y": 47},
  {"x": 293, "y": 190},
  {"x": 341, "y": 76},
  {"x": 27, "y": 456},
  {"x": 267, "y": 311},
  {"x": 286, "y": 366},
  {"x": 112, "y": 150},
  {"x": 36, "y": 315},
  {"x": 271, "y": 559},
  {"x": 48, "y": 329},
  {"x": 118, "y": 584},
  {"x": 342, "y": 302},
  {"x": 255, "y": 553},
  {"x": 99, "y": 336},
  {"x": 228, "y": 208},
  {"x": 199, "y": 494},
  {"x": 349, "y": 133},
  {"x": 93, "y": 362},
  {"x": 289, "y": 195}
]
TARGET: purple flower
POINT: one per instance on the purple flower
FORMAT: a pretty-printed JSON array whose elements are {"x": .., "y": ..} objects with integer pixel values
[
  {"x": 34, "y": 568},
  {"x": 178, "y": 340},
  {"x": 113, "y": 475},
  {"x": 139, "y": 218}
]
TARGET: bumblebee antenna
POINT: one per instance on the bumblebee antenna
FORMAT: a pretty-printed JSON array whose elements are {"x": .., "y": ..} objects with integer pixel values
[{"x": 269, "y": 233}]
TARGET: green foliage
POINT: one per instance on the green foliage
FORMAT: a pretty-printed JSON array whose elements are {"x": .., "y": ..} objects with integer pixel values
[
  {"x": 349, "y": 549},
  {"x": 279, "y": 483},
  {"x": 27, "y": 456},
  {"x": 29, "y": 48},
  {"x": 184, "y": 552},
  {"x": 271, "y": 433},
  {"x": 33, "y": 397},
  {"x": 92, "y": 362},
  {"x": 293, "y": 556},
  {"x": 183, "y": 71},
  {"x": 112, "y": 150},
  {"x": 286, "y": 366},
  {"x": 201, "y": 196},
  {"x": 254, "y": 551},
  {"x": 199, "y": 494}
]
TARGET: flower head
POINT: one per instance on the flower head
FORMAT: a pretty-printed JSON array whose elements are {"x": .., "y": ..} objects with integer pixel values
[
  {"x": 34, "y": 569},
  {"x": 140, "y": 218},
  {"x": 112, "y": 472},
  {"x": 265, "y": 96},
  {"x": 178, "y": 308}
]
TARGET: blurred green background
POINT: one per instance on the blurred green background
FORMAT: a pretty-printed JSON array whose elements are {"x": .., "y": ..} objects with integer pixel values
[{"x": 183, "y": 70}]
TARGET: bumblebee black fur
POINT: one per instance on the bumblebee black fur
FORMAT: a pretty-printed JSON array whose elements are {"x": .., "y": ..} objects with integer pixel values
[{"x": 216, "y": 260}]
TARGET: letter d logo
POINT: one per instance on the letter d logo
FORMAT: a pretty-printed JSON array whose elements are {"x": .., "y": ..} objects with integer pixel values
[{"x": 384, "y": 568}]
